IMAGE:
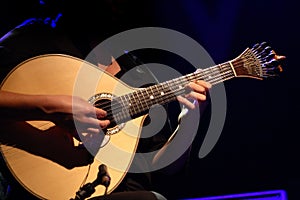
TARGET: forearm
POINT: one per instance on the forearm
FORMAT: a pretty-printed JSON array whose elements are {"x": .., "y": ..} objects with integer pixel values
[
  {"x": 56, "y": 108},
  {"x": 15, "y": 106}
]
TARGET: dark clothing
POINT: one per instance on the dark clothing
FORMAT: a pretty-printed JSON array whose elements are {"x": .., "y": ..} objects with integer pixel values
[
  {"x": 32, "y": 38},
  {"x": 136, "y": 195},
  {"x": 36, "y": 37}
]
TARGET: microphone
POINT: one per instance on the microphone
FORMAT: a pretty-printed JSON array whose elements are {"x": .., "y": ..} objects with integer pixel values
[
  {"x": 103, "y": 177},
  {"x": 88, "y": 189}
]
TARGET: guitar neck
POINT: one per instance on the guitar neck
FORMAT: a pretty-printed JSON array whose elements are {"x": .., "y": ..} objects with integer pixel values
[{"x": 139, "y": 102}]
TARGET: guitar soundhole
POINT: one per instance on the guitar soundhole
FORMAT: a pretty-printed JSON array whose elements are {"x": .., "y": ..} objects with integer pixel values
[{"x": 105, "y": 101}]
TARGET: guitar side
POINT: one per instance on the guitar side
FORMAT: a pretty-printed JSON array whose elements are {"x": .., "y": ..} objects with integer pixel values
[{"x": 65, "y": 75}]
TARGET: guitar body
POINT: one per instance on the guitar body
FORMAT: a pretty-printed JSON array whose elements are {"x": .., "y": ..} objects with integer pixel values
[{"x": 65, "y": 75}]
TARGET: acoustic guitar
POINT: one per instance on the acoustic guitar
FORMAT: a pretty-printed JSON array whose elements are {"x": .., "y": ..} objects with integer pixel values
[{"x": 34, "y": 165}]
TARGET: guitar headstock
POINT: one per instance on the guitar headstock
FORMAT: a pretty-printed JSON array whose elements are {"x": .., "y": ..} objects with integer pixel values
[{"x": 259, "y": 62}]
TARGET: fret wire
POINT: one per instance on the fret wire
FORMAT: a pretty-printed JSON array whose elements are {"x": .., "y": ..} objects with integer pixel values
[
  {"x": 152, "y": 97},
  {"x": 157, "y": 92},
  {"x": 216, "y": 70},
  {"x": 205, "y": 73},
  {"x": 145, "y": 99},
  {"x": 176, "y": 82},
  {"x": 221, "y": 72},
  {"x": 115, "y": 112},
  {"x": 174, "y": 86},
  {"x": 140, "y": 104},
  {"x": 184, "y": 80},
  {"x": 149, "y": 96},
  {"x": 224, "y": 74},
  {"x": 168, "y": 93},
  {"x": 169, "y": 96},
  {"x": 145, "y": 104},
  {"x": 161, "y": 89},
  {"x": 227, "y": 67},
  {"x": 132, "y": 110},
  {"x": 221, "y": 78},
  {"x": 189, "y": 77},
  {"x": 126, "y": 107},
  {"x": 161, "y": 99},
  {"x": 230, "y": 67},
  {"x": 137, "y": 101},
  {"x": 209, "y": 74},
  {"x": 132, "y": 102}
]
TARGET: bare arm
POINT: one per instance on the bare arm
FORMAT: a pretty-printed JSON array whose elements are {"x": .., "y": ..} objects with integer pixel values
[{"x": 55, "y": 108}]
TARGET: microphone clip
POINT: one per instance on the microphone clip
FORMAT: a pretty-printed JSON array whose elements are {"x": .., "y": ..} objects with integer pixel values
[{"x": 88, "y": 189}]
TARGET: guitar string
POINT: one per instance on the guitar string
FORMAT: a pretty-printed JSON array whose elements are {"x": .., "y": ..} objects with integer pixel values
[
  {"x": 179, "y": 92},
  {"x": 134, "y": 104},
  {"x": 165, "y": 97},
  {"x": 213, "y": 81},
  {"x": 222, "y": 75},
  {"x": 106, "y": 105},
  {"x": 204, "y": 72},
  {"x": 201, "y": 75}
]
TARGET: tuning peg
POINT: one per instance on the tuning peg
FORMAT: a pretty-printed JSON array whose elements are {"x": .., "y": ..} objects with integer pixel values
[
  {"x": 268, "y": 49},
  {"x": 273, "y": 70},
  {"x": 272, "y": 54},
  {"x": 255, "y": 46},
  {"x": 258, "y": 49},
  {"x": 263, "y": 44},
  {"x": 272, "y": 62},
  {"x": 268, "y": 57},
  {"x": 273, "y": 67},
  {"x": 278, "y": 57}
]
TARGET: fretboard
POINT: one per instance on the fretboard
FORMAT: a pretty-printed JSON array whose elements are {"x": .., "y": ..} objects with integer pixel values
[{"x": 139, "y": 102}]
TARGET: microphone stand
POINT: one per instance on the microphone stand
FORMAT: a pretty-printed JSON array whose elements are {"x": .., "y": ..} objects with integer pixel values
[{"x": 88, "y": 189}]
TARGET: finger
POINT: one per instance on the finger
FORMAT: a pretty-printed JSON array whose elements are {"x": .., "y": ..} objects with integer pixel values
[
  {"x": 104, "y": 123},
  {"x": 186, "y": 102},
  {"x": 203, "y": 83},
  {"x": 197, "y": 88},
  {"x": 96, "y": 123},
  {"x": 197, "y": 96},
  {"x": 93, "y": 130},
  {"x": 100, "y": 113}
]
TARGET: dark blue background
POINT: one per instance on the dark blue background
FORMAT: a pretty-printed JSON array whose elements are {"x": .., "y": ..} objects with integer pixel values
[{"x": 258, "y": 149}]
